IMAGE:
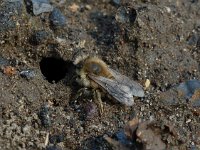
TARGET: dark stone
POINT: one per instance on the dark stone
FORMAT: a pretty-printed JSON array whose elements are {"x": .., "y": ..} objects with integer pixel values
[
  {"x": 57, "y": 19},
  {"x": 44, "y": 116},
  {"x": 122, "y": 138},
  {"x": 116, "y": 2},
  {"x": 193, "y": 40},
  {"x": 39, "y": 37},
  {"x": 56, "y": 138},
  {"x": 4, "y": 62},
  {"x": 126, "y": 15}
]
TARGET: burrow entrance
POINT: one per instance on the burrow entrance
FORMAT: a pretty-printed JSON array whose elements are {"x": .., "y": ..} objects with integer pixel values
[{"x": 55, "y": 69}]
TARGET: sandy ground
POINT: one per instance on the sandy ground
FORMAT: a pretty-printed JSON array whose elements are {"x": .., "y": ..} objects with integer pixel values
[{"x": 158, "y": 41}]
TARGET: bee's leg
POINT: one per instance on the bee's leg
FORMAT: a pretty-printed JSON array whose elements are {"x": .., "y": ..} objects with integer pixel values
[
  {"x": 79, "y": 93},
  {"x": 97, "y": 98}
]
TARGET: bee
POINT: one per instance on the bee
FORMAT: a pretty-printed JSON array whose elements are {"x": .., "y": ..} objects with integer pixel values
[{"x": 96, "y": 74}]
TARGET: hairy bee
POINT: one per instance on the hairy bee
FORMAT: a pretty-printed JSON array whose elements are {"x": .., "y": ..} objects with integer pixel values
[{"x": 96, "y": 74}]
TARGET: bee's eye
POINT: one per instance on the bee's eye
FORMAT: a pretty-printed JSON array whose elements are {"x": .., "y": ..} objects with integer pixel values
[{"x": 95, "y": 68}]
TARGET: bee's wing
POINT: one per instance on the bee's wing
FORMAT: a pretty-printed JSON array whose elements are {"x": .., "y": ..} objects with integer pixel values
[
  {"x": 120, "y": 92},
  {"x": 136, "y": 88}
]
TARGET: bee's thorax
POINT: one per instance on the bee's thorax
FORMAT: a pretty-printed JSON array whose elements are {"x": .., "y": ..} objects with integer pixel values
[{"x": 97, "y": 67}]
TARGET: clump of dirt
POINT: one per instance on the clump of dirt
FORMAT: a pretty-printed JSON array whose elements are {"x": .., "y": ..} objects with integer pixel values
[
  {"x": 153, "y": 40},
  {"x": 148, "y": 135}
]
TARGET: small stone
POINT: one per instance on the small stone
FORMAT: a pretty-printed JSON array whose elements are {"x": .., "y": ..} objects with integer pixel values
[
  {"x": 57, "y": 19},
  {"x": 4, "y": 62},
  {"x": 26, "y": 129},
  {"x": 39, "y": 37},
  {"x": 147, "y": 83},
  {"x": 188, "y": 121},
  {"x": 88, "y": 7},
  {"x": 9, "y": 70},
  {"x": 68, "y": 117},
  {"x": 61, "y": 41},
  {"x": 79, "y": 130},
  {"x": 56, "y": 138},
  {"x": 41, "y": 6},
  {"x": 44, "y": 116},
  {"x": 193, "y": 39},
  {"x": 126, "y": 15},
  {"x": 116, "y": 2},
  {"x": 122, "y": 138},
  {"x": 74, "y": 7},
  {"x": 28, "y": 74}
]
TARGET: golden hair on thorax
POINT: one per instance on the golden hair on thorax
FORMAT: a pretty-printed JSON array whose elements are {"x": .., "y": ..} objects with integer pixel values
[{"x": 96, "y": 66}]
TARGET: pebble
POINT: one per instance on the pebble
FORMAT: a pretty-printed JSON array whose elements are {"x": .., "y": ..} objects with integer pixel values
[
  {"x": 74, "y": 7},
  {"x": 122, "y": 138},
  {"x": 126, "y": 15},
  {"x": 28, "y": 74},
  {"x": 26, "y": 129},
  {"x": 79, "y": 130},
  {"x": 147, "y": 83},
  {"x": 68, "y": 117},
  {"x": 41, "y": 6},
  {"x": 116, "y": 2},
  {"x": 188, "y": 121},
  {"x": 39, "y": 37},
  {"x": 187, "y": 92},
  {"x": 57, "y": 19},
  {"x": 9, "y": 70},
  {"x": 4, "y": 62},
  {"x": 44, "y": 116},
  {"x": 56, "y": 138},
  {"x": 88, "y": 7},
  {"x": 194, "y": 40}
]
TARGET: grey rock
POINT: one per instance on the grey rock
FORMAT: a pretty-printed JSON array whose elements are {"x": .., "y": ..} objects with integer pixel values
[
  {"x": 44, "y": 116},
  {"x": 28, "y": 74},
  {"x": 41, "y": 6},
  {"x": 116, "y": 2},
  {"x": 194, "y": 39},
  {"x": 122, "y": 138},
  {"x": 54, "y": 139},
  {"x": 126, "y": 15},
  {"x": 4, "y": 62},
  {"x": 57, "y": 19}
]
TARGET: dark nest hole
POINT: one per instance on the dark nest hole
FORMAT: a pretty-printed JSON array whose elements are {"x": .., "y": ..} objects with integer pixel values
[{"x": 55, "y": 69}]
